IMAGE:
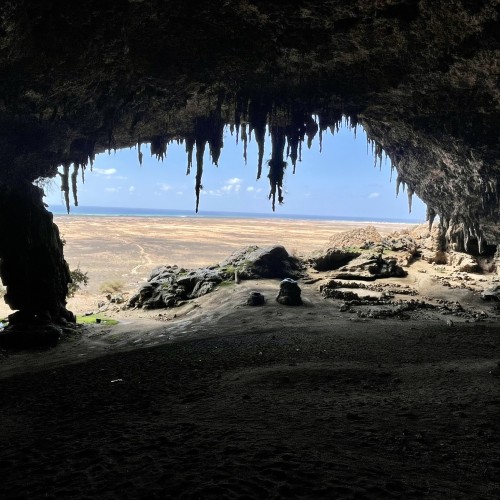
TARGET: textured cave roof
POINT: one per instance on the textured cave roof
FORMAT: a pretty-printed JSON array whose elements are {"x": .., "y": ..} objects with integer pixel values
[{"x": 422, "y": 78}]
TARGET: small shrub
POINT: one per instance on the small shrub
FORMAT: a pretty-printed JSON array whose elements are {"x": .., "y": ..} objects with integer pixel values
[
  {"x": 92, "y": 319},
  {"x": 113, "y": 286},
  {"x": 78, "y": 279}
]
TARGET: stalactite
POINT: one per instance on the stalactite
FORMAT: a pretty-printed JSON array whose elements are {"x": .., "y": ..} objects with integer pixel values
[
  {"x": 74, "y": 183},
  {"x": 200, "y": 151},
  {"x": 65, "y": 184},
  {"x": 159, "y": 147},
  {"x": 410, "y": 198},
  {"x": 293, "y": 145},
  {"x": 139, "y": 152},
  {"x": 215, "y": 139},
  {"x": 398, "y": 183},
  {"x": 311, "y": 130},
  {"x": 430, "y": 216},
  {"x": 277, "y": 165},
  {"x": 260, "y": 139},
  {"x": 377, "y": 154},
  {"x": 481, "y": 243},
  {"x": 244, "y": 138},
  {"x": 189, "y": 150},
  {"x": 257, "y": 121},
  {"x": 466, "y": 238}
]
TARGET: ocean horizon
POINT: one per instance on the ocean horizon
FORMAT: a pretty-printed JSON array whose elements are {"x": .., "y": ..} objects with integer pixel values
[{"x": 92, "y": 211}]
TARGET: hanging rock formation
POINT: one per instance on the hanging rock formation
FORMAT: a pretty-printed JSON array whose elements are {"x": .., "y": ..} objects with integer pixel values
[{"x": 420, "y": 76}]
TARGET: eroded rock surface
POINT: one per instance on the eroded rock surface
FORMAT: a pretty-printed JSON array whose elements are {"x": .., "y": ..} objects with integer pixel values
[{"x": 170, "y": 286}]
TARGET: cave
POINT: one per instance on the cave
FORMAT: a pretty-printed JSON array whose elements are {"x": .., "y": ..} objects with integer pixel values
[{"x": 421, "y": 77}]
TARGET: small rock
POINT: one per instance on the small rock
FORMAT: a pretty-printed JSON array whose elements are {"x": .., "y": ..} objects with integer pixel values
[
  {"x": 289, "y": 294},
  {"x": 256, "y": 299}
]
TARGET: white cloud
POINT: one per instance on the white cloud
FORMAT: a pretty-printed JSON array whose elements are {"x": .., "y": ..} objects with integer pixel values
[
  {"x": 373, "y": 195},
  {"x": 250, "y": 189},
  {"x": 113, "y": 189},
  {"x": 180, "y": 193},
  {"x": 164, "y": 187},
  {"x": 104, "y": 171},
  {"x": 131, "y": 189},
  {"x": 233, "y": 184}
]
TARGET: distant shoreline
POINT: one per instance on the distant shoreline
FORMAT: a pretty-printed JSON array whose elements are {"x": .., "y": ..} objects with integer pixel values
[{"x": 147, "y": 212}]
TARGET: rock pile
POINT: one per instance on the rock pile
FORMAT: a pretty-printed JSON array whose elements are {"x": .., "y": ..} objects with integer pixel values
[
  {"x": 342, "y": 248},
  {"x": 370, "y": 268},
  {"x": 170, "y": 286}
]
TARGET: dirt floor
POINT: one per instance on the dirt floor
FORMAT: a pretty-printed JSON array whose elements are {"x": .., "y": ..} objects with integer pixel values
[{"x": 218, "y": 399}]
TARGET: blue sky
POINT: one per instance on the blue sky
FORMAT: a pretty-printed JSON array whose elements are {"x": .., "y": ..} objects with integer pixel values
[{"x": 341, "y": 181}]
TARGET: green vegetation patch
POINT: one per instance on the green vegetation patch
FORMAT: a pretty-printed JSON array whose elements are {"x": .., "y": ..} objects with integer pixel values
[
  {"x": 225, "y": 283},
  {"x": 96, "y": 319}
]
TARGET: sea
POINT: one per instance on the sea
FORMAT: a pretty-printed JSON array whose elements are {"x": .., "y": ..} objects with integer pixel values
[{"x": 157, "y": 212}]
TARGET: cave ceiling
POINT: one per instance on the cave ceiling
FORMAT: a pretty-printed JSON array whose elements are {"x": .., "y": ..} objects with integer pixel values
[{"x": 421, "y": 77}]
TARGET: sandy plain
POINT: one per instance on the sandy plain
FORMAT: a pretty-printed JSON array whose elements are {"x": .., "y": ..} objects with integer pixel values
[
  {"x": 126, "y": 249},
  {"x": 219, "y": 400}
]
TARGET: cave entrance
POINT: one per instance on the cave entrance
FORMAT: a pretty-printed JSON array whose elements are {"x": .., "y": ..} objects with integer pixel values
[
  {"x": 340, "y": 183},
  {"x": 156, "y": 202}
]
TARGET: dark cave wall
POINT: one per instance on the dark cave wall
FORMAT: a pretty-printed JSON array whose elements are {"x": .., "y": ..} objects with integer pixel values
[{"x": 32, "y": 266}]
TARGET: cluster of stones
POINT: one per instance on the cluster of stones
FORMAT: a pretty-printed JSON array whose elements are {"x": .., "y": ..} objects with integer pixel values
[{"x": 170, "y": 286}]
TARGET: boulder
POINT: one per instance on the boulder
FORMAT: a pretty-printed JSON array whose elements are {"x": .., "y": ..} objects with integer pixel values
[
  {"x": 268, "y": 262},
  {"x": 463, "y": 262},
  {"x": 30, "y": 336},
  {"x": 331, "y": 258},
  {"x": 256, "y": 299},
  {"x": 289, "y": 294},
  {"x": 492, "y": 293},
  {"x": 370, "y": 268}
]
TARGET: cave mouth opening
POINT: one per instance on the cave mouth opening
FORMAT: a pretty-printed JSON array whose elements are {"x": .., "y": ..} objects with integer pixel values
[{"x": 333, "y": 177}]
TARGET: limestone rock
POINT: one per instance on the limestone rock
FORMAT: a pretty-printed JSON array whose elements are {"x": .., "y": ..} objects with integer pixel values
[
  {"x": 492, "y": 293},
  {"x": 169, "y": 286},
  {"x": 363, "y": 237},
  {"x": 268, "y": 262},
  {"x": 463, "y": 262},
  {"x": 256, "y": 299},
  {"x": 289, "y": 293},
  {"x": 331, "y": 258},
  {"x": 30, "y": 336},
  {"x": 369, "y": 268}
]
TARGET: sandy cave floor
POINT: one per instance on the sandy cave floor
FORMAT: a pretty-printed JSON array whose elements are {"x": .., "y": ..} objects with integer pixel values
[
  {"x": 224, "y": 400},
  {"x": 230, "y": 401}
]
